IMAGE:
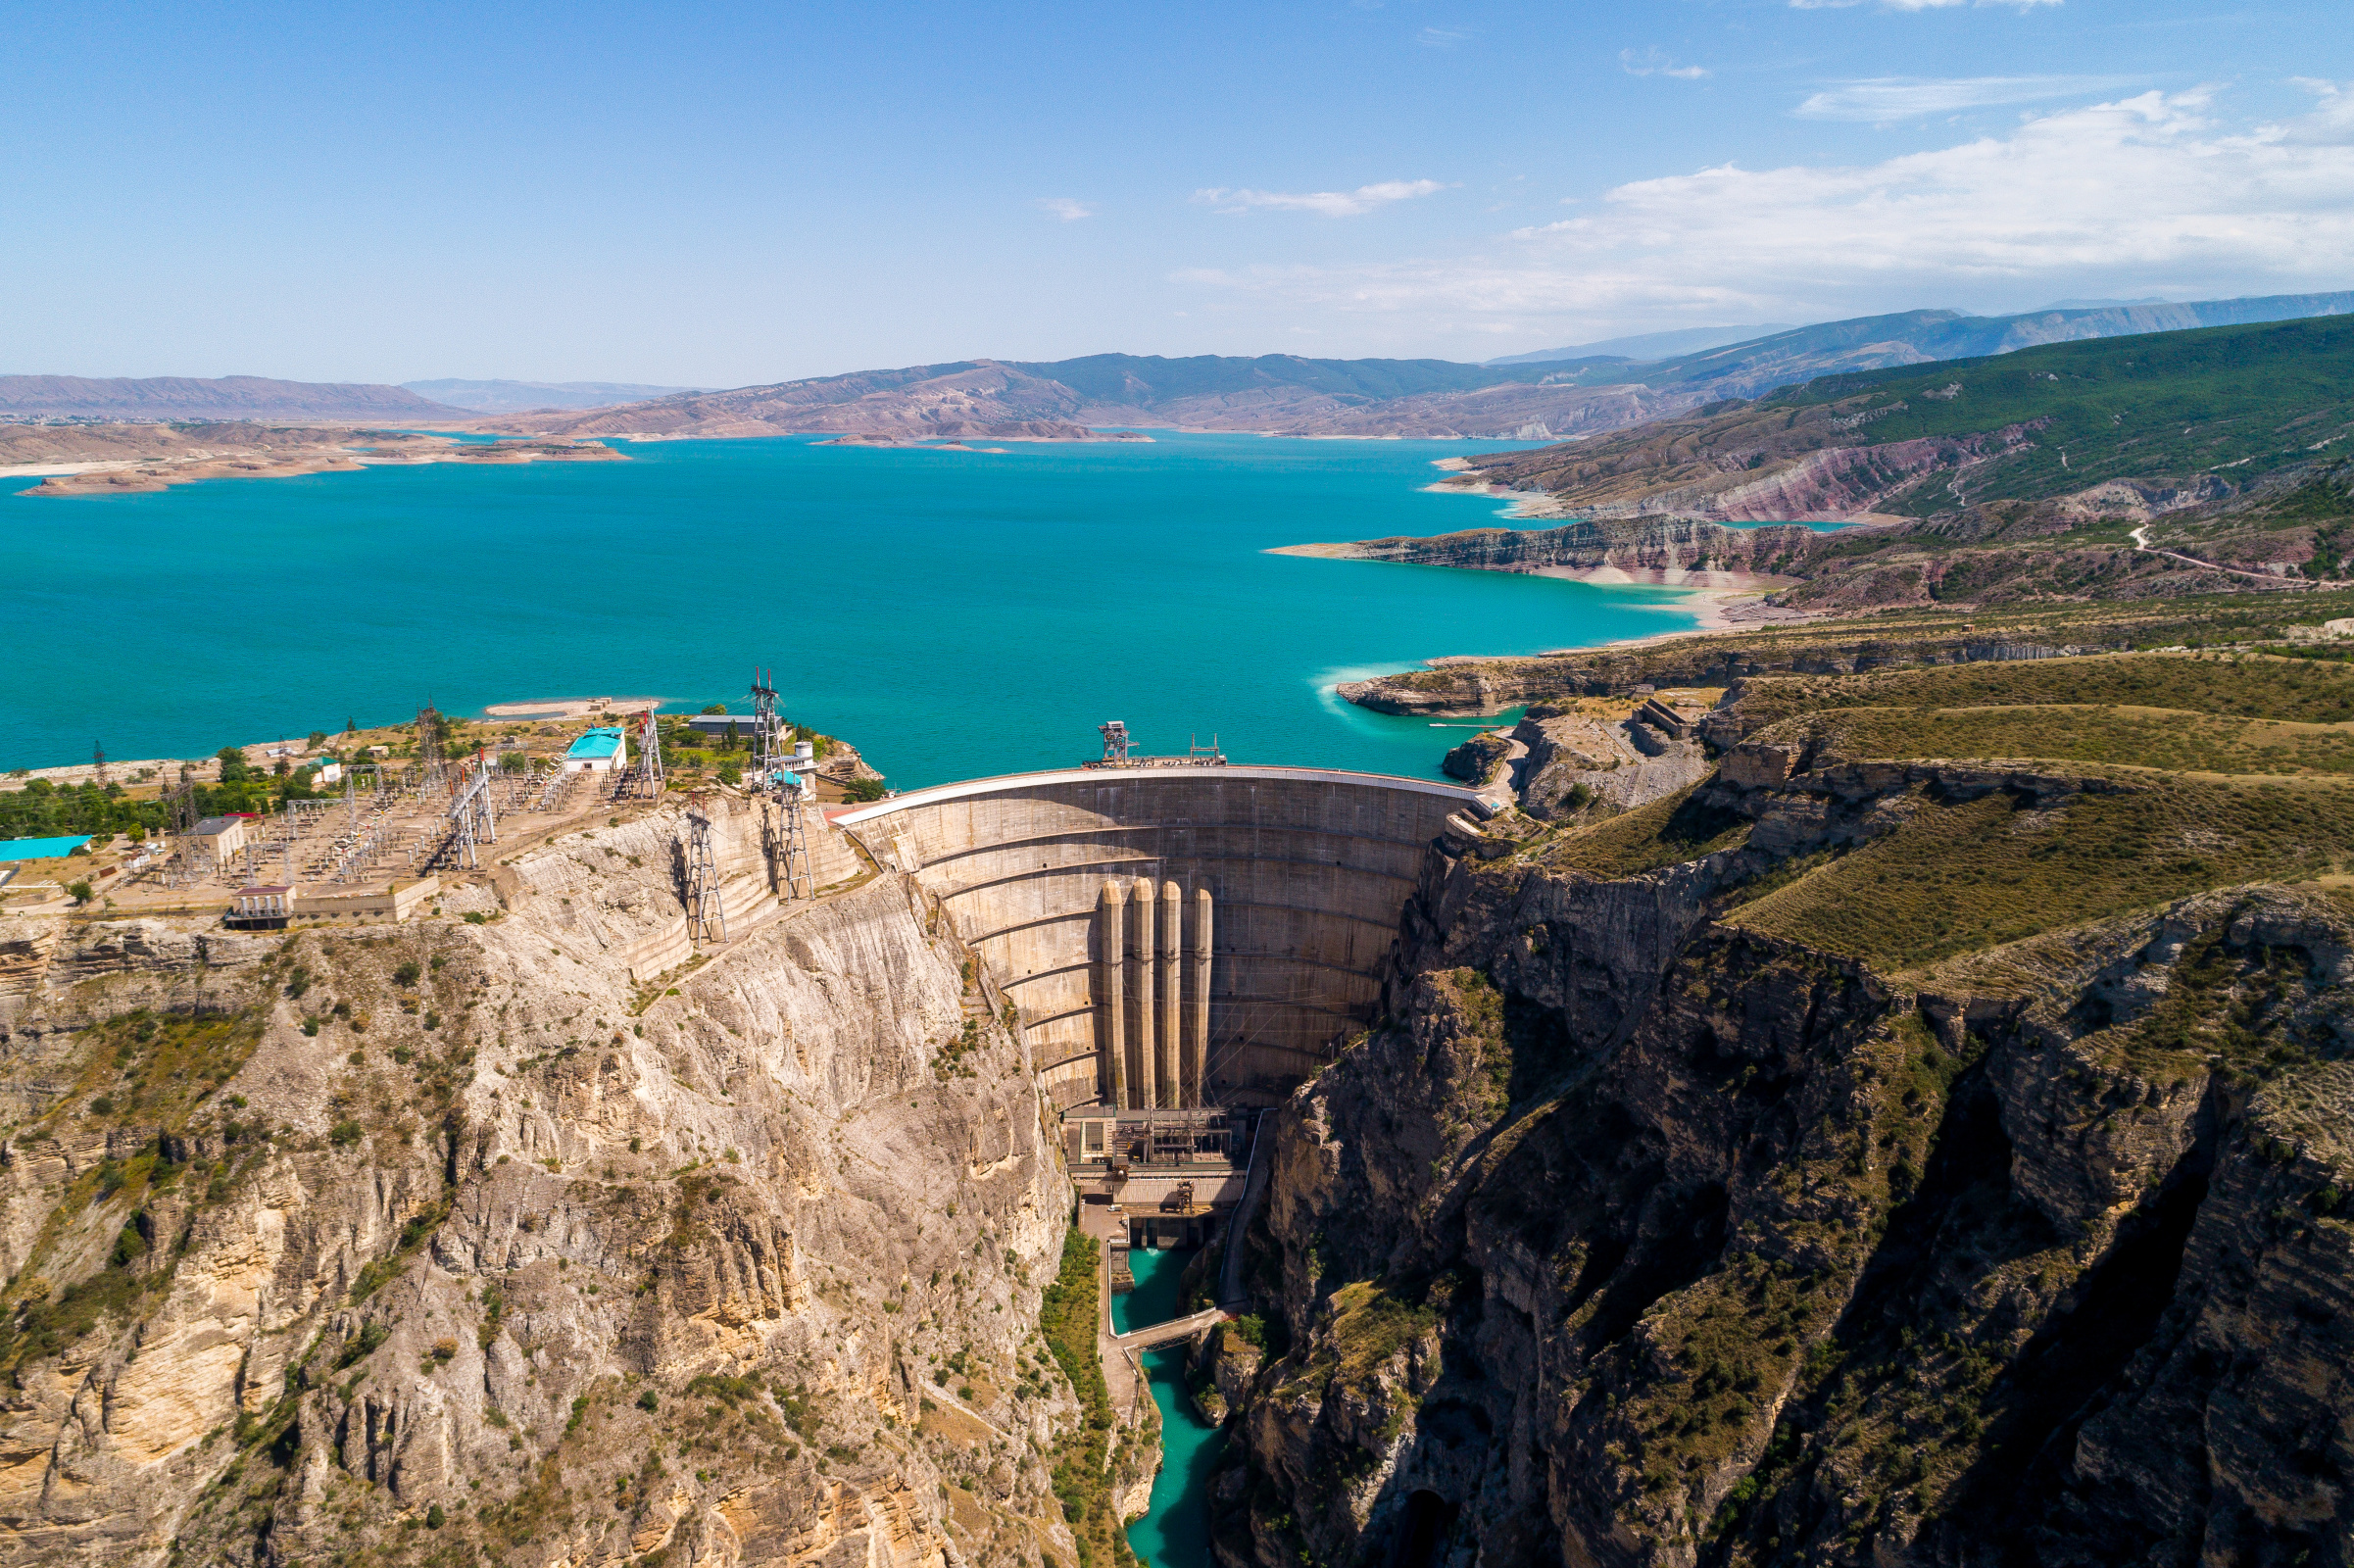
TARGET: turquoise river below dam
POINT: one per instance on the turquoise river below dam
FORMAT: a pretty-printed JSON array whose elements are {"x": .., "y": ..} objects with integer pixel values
[
  {"x": 1175, "y": 1532},
  {"x": 951, "y": 614}
]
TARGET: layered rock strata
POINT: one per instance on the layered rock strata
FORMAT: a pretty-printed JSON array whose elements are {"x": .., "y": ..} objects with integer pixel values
[
  {"x": 453, "y": 1242},
  {"x": 1633, "y": 1237}
]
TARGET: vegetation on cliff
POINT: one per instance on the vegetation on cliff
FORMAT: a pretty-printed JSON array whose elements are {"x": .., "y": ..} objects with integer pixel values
[{"x": 1926, "y": 1141}]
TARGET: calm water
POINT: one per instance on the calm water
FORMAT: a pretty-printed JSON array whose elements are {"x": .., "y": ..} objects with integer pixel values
[
  {"x": 951, "y": 614},
  {"x": 1175, "y": 1534}
]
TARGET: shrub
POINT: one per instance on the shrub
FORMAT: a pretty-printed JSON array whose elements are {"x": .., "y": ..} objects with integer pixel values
[
  {"x": 647, "y": 1402},
  {"x": 344, "y": 1134},
  {"x": 407, "y": 973}
]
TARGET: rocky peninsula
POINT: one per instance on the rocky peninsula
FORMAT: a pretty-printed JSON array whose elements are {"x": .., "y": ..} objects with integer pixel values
[{"x": 97, "y": 459}]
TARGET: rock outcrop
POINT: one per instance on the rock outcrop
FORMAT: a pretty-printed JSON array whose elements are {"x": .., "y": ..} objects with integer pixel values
[
  {"x": 450, "y": 1238},
  {"x": 1634, "y": 1236}
]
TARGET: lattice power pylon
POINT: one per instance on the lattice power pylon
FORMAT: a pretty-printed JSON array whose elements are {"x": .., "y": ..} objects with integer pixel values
[
  {"x": 644, "y": 776},
  {"x": 472, "y": 822},
  {"x": 793, "y": 876},
  {"x": 707, "y": 921},
  {"x": 429, "y": 764},
  {"x": 768, "y": 748}
]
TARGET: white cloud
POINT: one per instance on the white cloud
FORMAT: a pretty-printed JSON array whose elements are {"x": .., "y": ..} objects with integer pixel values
[
  {"x": 1915, "y": 5},
  {"x": 1329, "y": 203},
  {"x": 1882, "y": 99},
  {"x": 1065, "y": 207},
  {"x": 2149, "y": 195},
  {"x": 1440, "y": 38},
  {"x": 1651, "y": 62}
]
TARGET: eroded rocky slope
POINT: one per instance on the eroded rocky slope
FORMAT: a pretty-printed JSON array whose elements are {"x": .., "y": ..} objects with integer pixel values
[
  {"x": 452, "y": 1244},
  {"x": 1808, "y": 1169}
]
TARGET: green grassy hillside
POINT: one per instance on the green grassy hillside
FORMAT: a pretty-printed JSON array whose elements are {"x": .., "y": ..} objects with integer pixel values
[
  {"x": 2200, "y": 774},
  {"x": 2248, "y": 398}
]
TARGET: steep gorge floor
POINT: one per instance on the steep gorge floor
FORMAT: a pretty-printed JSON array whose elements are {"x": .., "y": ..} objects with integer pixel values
[
  {"x": 444, "y": 1244},
  {"x": 1724, "y": 1187}
]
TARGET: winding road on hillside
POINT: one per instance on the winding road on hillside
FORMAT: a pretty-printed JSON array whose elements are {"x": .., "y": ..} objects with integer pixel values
[{"x": 2139, "y": 536}]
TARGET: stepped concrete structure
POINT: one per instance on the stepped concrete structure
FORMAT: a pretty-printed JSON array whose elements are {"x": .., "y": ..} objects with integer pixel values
[{"x": 1174, "y": 935}]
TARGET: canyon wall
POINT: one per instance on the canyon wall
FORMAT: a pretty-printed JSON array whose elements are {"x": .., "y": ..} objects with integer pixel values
[
  {"x": 458, "y": 1242},
  {"x": 1634, "y": 1236}
]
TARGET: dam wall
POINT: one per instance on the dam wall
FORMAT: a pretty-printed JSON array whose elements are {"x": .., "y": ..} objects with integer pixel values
[{"x": 1307, "y": 871}]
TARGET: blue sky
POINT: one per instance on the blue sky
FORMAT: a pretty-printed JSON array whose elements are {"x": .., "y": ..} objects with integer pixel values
[{"x": 724, "y": 195}]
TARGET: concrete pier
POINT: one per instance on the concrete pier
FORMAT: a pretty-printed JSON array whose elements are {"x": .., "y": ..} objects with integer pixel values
[
  {"x": 1170, "y": 1035},
  {"x": 1111, "y": 960},
  {"x": 1143, "y": 912},
  {"x": 1196, "y": 992}
]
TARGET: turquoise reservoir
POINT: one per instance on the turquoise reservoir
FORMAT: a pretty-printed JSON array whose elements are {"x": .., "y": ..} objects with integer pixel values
[
  {"x": 1175, "y": 1532},
  {"x": 952, "y": 614},
  {"x": 40, "y": 848}
]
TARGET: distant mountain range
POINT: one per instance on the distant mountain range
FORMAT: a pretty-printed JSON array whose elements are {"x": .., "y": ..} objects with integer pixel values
[
  {"x": 1648, "y": 345},
  {"x": 2194, "y": 414},
  {"x": 1274, "y": 394},
  {"x": 151, "y": 399},
  {"x": 518, "y": 397},
  {"x": 1282, "y": 394}
]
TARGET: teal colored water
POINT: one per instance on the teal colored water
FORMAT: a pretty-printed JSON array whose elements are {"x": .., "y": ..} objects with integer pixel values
[
  {"x": 1158, "y": 1293},
  {"x": 1175, "y": 1532},
  {"x": 40, "y": 848},
  {"x": 954, "y": 613}
]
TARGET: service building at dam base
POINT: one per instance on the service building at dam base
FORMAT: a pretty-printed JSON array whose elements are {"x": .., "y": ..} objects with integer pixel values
[{"x": 1185, "y": 944}]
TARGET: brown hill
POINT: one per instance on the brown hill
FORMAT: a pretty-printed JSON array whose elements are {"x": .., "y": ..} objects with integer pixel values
[{"x": 228, "y": 397}]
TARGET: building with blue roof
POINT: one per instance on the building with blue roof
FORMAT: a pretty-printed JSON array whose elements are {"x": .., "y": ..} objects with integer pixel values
[{"x": 598, "y": 751}]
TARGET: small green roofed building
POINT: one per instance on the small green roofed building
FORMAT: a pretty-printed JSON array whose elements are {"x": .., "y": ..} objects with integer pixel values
[{"x": 598, "y": 751}]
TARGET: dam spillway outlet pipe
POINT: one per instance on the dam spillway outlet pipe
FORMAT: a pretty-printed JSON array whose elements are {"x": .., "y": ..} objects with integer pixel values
[
  {"x": 1142, "y": 909},
  {"x": 1196, "y": 1034},
  {"x": 1169, "y": 1035},
  {"x": 1111, "y": 909}
]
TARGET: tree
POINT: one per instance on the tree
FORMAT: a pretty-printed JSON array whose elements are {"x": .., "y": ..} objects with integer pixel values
[
  {"x": 80, "y": 892},
  {"x": 350, "y": 726},
  {"x": 235, "y": 769},
  {"x": 315, "y": 739},
  {"x": 716, "y": 708}
]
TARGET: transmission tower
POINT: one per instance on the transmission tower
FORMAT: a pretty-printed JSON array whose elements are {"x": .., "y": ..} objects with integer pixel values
[
  {"x": 471, "y": 821},
  {"x": 98, "y": 756},
  {"x": 645, "y": 775},
  {"x": 707, "y": 921},
  {"x": 793, "y": 877},
  {"x": 428, "y": 749},
  {"x": 179, "y": 814},
  {"x": 767, "y": 747}
]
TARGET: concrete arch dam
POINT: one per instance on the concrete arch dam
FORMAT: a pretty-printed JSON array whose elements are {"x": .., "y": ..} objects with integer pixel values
[{"x": 1252, "y": 907}]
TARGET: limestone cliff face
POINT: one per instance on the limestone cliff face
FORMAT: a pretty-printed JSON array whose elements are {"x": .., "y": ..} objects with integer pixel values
[
  {"x": 1632, "y": 545},
  {"x": 450, "y": 1238},
  {"x": 1633, "y": 1237}
]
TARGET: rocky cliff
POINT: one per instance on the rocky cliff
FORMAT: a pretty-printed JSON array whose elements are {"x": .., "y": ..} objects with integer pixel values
[
  {"x": 449, "y": 1243},
  {"x": 1646, "y": 546},
  {"x": 1659, "y": 1224}
]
